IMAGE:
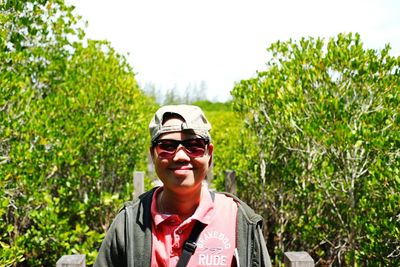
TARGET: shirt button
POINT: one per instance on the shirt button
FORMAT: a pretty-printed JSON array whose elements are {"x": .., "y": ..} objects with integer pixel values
[{"x": 180, "y": 232}]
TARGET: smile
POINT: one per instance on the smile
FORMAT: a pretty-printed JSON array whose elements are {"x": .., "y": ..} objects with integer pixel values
[{"x": 181, "y": 169}]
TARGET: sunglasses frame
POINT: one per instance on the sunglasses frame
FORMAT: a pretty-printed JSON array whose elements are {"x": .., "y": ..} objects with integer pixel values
[{"x": 167, "y": 155}]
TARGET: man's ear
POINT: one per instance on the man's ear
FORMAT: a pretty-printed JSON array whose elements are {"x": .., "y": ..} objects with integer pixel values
[{"x": 210, "y": 150}]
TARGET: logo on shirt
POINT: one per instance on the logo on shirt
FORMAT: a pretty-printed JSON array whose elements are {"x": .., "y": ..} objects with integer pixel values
[{"x": 215, "y": 249}]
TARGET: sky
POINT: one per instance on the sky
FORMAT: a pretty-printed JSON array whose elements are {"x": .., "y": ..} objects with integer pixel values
[{"x": 177, "y": 44}]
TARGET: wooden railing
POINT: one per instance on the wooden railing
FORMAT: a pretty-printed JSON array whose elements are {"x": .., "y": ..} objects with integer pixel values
[
  {"x": 78, "y": 260},
  {"x": 291, "y": 259}
]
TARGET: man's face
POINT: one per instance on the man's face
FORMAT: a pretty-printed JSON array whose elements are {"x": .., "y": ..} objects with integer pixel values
[{"x": 179, "y": 172}]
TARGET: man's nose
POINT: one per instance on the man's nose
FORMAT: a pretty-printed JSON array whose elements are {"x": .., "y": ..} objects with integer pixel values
[{"x": 180, "y": 154}]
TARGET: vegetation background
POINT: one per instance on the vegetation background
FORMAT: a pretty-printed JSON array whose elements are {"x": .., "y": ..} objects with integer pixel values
[{"x": 314, "y": 141}]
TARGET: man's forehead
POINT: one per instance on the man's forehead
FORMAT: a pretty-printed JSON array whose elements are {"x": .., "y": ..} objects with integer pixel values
[{"x": 173, "y": 121}]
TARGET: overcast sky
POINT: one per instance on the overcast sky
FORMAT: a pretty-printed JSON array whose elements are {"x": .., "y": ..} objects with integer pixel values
[{"x": 177, "y": 43}]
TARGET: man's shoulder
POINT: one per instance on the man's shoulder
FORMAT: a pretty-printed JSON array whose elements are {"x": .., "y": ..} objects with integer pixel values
[
  {"x": 243, "y": 208},
  {"x": 229, "y": 196},
  {"x": 144, "y": 198}
]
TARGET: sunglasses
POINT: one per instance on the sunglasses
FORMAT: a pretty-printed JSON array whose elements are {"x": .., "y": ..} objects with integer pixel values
[{"x": 194, "y": 148}]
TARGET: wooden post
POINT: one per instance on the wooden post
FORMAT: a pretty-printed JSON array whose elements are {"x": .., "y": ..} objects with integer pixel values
[
  {"x": 138, "y": 184},
  {"x": 150, "y": 166},
  {"x": 298, "y": 259},
  {"x": 230, "y": 182},
  {"x": 77, "y": 260}
]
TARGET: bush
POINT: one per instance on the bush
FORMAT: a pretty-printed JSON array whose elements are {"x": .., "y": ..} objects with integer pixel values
[
  {"x": 74, "y": 127},
  {"x": 324, "y": 116}
]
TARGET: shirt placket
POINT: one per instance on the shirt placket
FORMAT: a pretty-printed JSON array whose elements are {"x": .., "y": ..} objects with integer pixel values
[{"x": 179, "y": 236}]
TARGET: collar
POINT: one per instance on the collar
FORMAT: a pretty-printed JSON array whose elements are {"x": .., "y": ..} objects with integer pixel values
[{"x": 204, "y": 212}]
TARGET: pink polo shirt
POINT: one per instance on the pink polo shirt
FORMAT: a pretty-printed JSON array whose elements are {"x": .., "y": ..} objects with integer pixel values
[{"x": 216, "y": 243}]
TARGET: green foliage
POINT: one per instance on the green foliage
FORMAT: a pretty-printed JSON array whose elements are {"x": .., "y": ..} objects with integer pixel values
[
  {"x": 73, "y": 129},
  {"x": 207, "y": 105},
  {"x": 234, "y": 148},
  {"x": 225, "y": 130},
  {"x": 324, "y": 117}
]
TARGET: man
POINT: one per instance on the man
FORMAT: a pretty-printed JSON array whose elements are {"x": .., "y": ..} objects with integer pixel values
[{"x": 182, "y": 222}]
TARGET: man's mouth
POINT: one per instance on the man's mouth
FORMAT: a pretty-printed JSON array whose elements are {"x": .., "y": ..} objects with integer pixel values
[{"x": 182, "y": 170}]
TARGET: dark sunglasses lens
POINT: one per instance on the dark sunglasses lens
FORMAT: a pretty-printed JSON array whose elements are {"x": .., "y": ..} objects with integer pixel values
[
  {"x": 195, "y": 147},
  {"x": 167, "y": 145}
]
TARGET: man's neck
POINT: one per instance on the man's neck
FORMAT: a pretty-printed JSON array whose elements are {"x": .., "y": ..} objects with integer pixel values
[{"x": 183, "y": 205}]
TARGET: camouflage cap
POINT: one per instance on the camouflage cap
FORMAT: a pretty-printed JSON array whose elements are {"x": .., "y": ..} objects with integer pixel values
[{"x": 193, "y": 116}]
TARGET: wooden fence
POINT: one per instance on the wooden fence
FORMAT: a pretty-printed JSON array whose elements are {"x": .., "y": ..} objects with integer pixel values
[{"x": 291, "y": 259}]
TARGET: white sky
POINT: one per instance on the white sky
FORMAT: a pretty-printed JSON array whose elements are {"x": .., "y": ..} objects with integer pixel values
[{"x": 176, "y": 43}]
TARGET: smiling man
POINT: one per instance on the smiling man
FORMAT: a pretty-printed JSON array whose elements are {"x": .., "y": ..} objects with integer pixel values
[{"x": 183, "y": 223}]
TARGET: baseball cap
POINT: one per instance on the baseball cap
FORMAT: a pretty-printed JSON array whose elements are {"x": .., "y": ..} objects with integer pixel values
[{"x": 193, "y": 116}]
